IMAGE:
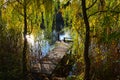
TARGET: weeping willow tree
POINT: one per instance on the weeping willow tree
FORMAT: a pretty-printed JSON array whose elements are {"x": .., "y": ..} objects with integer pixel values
[
  {"x": 103, "y": 19},
  {"x": 26, "y": 16},
  {"x": 101, "y": 24},
  {"x": 101, "y": 35},
  {"x": 45, "y": 12},
  {"x": 11, "y": 41}
]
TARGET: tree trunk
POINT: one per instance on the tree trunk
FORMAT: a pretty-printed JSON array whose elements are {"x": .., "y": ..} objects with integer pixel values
[
  {"x": 0, "y": 14},
  {"x": 87, "y": 42},
  {"x": 25, "y": 69}
]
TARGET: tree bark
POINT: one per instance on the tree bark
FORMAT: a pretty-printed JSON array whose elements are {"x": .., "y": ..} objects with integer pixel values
[
  {"x": 24, "y": 58},
  {"x": 87, "y": 42}
]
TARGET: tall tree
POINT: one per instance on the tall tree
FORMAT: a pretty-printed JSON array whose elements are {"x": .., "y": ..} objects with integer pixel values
[
  {"x": 25, "y": 69},
  {"x": 87, "y": 42}
]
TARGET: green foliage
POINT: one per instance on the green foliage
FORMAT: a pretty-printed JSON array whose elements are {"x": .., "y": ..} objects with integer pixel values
[
  {"x": 104, "y": 22},
  {"x": 10, "y": 54}
]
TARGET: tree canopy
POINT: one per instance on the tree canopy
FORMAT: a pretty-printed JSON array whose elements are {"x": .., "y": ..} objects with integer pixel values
[{"x": 94, "y": 26}]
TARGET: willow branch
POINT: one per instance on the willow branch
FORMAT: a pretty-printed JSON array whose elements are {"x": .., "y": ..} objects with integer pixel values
[
  {"x": 19, "y": 2},
  {"x": 116, "y": 6},
  {"x": 10, "y": 3},
  {"x": 91, "y": 5},
  {"x": 112, "y": 11},
  {"x": 4, "y": 4}
]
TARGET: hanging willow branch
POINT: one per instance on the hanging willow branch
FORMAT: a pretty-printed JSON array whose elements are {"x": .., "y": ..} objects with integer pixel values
[
  {"x": 91, "y": 5},
  {"x": 104, "y": 11}
]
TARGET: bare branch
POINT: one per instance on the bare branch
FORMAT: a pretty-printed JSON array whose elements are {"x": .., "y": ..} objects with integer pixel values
[
  {"x": 115, "y": 11},
  {"x": 103, "y": 12},
  {"x": 95, "y": 13},
  {"x": 91, "y": 5}
]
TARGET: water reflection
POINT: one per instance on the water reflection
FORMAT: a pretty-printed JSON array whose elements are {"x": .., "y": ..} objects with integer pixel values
[
  {"x": 39, "y": 47},
  {"x": 45, "y": 47},
  {"x": 30, "y": 39},
  {"x": 66, "y": 34}
]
